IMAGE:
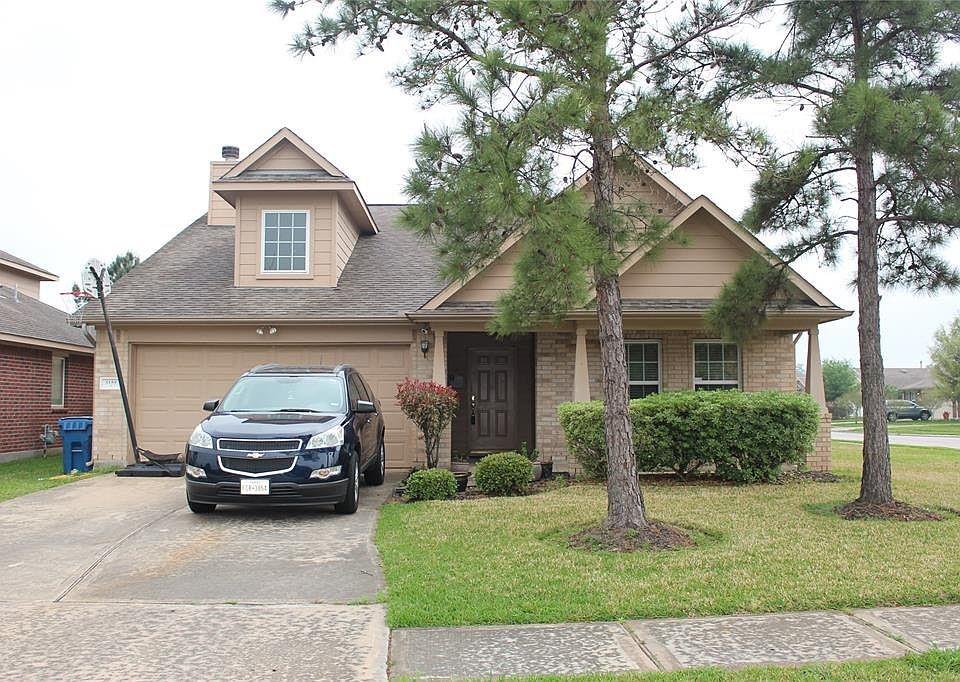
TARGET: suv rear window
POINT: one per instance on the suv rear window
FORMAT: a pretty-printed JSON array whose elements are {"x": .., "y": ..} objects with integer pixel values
[{"x": 273, "y": 393}]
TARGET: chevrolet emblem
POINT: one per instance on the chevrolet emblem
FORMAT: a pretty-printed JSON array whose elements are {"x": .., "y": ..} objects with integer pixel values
[{"x": 254, "y": 455}]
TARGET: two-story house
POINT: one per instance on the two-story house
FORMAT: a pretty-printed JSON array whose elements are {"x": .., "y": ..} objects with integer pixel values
[{"x": 291, "y": 264}]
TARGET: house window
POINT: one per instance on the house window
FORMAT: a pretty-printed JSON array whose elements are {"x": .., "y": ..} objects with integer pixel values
[
  {"x": 58, "y": 381},
  {"x": 643, "y": 367},
  {"x": 285, "y": 241},
  {"x": 716, "y": 365}
]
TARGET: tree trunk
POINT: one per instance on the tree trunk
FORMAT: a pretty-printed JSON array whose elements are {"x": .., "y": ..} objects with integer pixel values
[
  {"x": 625, "y": 508},
  {"x": 876, "y": 486}
]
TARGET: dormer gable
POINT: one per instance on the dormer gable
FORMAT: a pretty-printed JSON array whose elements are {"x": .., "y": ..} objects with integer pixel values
[{"x": 297, "y": 216}]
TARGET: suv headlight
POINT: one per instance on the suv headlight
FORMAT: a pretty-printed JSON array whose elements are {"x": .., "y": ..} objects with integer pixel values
[
  {"x": 195, "y": 472},
  {"x": 200, "y": 438},
  {"x": 328, "y": 439}
]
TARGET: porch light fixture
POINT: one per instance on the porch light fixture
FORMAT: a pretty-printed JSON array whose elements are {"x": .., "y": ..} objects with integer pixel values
[{"x": 424, "y": 340}]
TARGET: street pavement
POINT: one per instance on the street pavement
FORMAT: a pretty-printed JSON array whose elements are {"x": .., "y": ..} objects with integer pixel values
[{"x": 952, "y": 442}]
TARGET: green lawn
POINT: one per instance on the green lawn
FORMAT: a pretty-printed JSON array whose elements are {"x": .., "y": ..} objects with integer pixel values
[
  {"x": 37, "y": 473},
  {"x": 761, "y": 549},
  {"x": 908, "y": 427},
  {"x": 934, "y": 665}
]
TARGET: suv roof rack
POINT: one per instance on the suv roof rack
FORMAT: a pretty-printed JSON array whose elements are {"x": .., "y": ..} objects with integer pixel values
[{"x": 276, "y": 368}]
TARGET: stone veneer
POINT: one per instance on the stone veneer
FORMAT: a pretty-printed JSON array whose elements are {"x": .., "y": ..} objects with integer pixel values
[
  {"x": 111, "y": 444},
  {"x": 767, "y": 363}
]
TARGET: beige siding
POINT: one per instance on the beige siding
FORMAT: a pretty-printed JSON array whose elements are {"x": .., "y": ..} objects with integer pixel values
[
  {"x": 23, "y": 282},
  {"x": 219, "y": 212},
  {"x": 696, "y": 269},
  {"x": 284, "y": 157},
  {"x": 248, "y": 262},
  {"x": 346, "y": 238},
  {"x": 493, "y": 281}
]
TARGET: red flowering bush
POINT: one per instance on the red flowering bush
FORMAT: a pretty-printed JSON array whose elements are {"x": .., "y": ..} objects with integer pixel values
[{"x": 431, "y": 407}]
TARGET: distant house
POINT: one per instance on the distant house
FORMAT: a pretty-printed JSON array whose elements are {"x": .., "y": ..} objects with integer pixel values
[
  {"x": 46, "y": 364},
  {"x": 916, "y": 384}
]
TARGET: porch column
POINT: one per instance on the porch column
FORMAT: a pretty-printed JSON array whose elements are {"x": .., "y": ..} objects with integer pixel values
[
  {"x": 581, "y": 370},
  {"x": 814, "y": 385},
  {"x": 440, "y": 357}
]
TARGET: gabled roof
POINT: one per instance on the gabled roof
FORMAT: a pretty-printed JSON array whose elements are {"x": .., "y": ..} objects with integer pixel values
[
  {"x": 284, "y": 134},
  {"x": 25, "y": 320},
  {"x": 190, "y": 278},
  {"x": 8, "y": 260},
  {"x": 703, "y": 203},
  {"x": 909, "y": 378},
  {"x": 245, "y": 176}
]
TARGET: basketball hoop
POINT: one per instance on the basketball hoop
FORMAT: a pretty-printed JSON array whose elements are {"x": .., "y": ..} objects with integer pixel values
[
  {"x": 75, "y": 303},
  {"x": 88, "y": 282}
]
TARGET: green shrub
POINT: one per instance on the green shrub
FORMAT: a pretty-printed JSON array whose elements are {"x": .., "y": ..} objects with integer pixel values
[
  {"x": 431, "y": 484},
  {"x": 503, "y": 473},
  {"x": 746, "y": 436}
]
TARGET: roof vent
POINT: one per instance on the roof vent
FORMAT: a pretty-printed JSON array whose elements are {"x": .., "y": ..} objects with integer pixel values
[{"x": 230, "y": 152}]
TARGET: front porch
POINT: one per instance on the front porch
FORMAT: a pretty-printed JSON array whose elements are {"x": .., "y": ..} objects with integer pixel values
[{"x": 510, "y": 388}]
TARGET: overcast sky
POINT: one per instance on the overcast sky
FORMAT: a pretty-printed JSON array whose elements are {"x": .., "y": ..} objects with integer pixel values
[{"x": 111, "y": 111}]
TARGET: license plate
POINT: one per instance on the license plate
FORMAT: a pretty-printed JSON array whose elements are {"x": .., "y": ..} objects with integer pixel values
[{"x": 254, "y": 487}]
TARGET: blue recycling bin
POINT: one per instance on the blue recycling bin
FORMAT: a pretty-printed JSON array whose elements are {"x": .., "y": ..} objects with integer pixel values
[{"x": 77, "y": 436}]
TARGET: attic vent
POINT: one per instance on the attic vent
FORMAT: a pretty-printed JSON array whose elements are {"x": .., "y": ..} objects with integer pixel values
[{"x": 230, "y": 152}]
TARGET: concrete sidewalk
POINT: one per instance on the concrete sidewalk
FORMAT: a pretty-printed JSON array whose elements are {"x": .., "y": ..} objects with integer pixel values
[{"x": 671, "y": 643}]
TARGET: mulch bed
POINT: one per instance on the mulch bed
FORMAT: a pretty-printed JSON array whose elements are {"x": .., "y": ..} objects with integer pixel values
[
  {"x": 807, "y": 477},
  {"x": 656, "y": 536},
  {"x": 894, "y": 511}
]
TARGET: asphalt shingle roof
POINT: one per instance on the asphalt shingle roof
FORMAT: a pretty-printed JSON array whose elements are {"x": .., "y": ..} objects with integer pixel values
[
  {"x": 21, "y": 315},
  {"x": 908, "y": 378},
  {"x": 4, "y": 255},
  {"x": 191, "y": 278}
]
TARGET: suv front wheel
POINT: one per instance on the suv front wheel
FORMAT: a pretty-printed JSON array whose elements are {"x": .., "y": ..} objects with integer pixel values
[
  {"x": 377, "y": 470},
  {"x": 352, "y": 499}
]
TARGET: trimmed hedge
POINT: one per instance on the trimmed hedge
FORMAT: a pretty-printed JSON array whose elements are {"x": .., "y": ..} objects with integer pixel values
[
  {"x": 747, "y": 437},
  {"x": 503, "y": 473},
  {"x": 431, "y": 484}
]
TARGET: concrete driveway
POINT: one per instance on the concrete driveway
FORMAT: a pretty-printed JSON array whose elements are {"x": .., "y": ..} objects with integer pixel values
[{"x": 115, "y": 578}]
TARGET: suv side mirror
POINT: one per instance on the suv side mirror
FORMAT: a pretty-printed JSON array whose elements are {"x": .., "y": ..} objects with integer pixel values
[
  {"x": 365, "y": 407},
  {"x": 211, "y": 405}
]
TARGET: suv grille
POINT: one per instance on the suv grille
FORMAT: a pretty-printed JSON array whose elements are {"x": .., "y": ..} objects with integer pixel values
[
  {"x": 259, "y": 445},
  {"x": 257, "y": 467}
]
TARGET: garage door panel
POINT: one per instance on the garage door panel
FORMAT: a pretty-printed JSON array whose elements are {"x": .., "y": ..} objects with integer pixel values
[{"x": 171, "y": 382}]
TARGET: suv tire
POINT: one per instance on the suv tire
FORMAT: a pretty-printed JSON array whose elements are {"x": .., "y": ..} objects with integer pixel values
[
  {"x": 200, "y": 507},
  {"x": 352, "y": 499},
  {"x": 377, "y": 470},
  {"x": 891, "y": 416},
  {"x": 925, "y": 416}
]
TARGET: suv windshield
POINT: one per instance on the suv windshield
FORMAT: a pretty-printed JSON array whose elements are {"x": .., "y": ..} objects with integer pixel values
[{"x": 273, "y": 393}]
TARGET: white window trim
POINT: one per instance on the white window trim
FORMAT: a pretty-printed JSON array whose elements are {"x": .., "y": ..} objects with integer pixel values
[
  {"x": 63, "y": 381},
  {"x": 723, "y": 382},
  {"x": 627, "y": 342},
  {"x": 263, "y": 240}
]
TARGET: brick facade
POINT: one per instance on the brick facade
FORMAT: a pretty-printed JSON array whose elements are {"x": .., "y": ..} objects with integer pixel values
[
  {"x": 25, "y": 394},
  {"x": 767, "y": 363}
]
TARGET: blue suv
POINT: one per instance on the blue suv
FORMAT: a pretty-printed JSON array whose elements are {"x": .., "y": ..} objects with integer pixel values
[{"x": 287, "y": 436}]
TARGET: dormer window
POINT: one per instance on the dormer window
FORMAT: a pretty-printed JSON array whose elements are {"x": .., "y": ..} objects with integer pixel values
[{"x": 285, "y": 236}]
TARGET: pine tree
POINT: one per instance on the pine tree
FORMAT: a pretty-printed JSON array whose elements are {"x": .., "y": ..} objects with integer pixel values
[
  {"x": 884, "y": 139},
  {"x": 546, "y": 91},
  {"x": 121, "y": 265}
]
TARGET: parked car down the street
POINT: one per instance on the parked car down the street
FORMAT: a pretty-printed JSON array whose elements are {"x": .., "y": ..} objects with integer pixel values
[
  {"x": 287, "y": 436},
  {"x": 907, "y": 409}
]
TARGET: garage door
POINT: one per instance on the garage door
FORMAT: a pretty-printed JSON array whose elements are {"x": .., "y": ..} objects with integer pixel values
[{"x": 172, "y": 381}]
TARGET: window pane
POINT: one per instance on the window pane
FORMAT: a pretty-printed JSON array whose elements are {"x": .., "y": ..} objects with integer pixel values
[
  {"x": 56, "y": 381},
  {"x": 730, "y": 370},
  {"x": 651, "y": 371},
  {"x": 299, "y": 249},
  {"x": 700, "y": 370},
  {"x": 270, "y": 234},
  {"x": 286, "y": 220},
  {"x": 284, "y": 249},
  {"x": 286, "y": 234},
  {"x": 299, "y": 219},
  {"x": 715, "y": 351},
  {"x": 270, "y": 249},
  {"x": 642, "y": 391},
  {"x": 730, "y": 351},
  {"x": 636, "y": 371},
  {"x": 284, "y": 263},
  {"x": 299, "y": 263},
  {"x": 700, "y": 352},
  {"x": 270, "y": 219},
  {"x": 300, "y": 234},
  {"x": 269, "y": 263}
]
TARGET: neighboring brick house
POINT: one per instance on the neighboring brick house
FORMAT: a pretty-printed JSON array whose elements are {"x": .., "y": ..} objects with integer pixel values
[
  {"x": 46, "y": 365},
  {"x": 291, "y": 264}
]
